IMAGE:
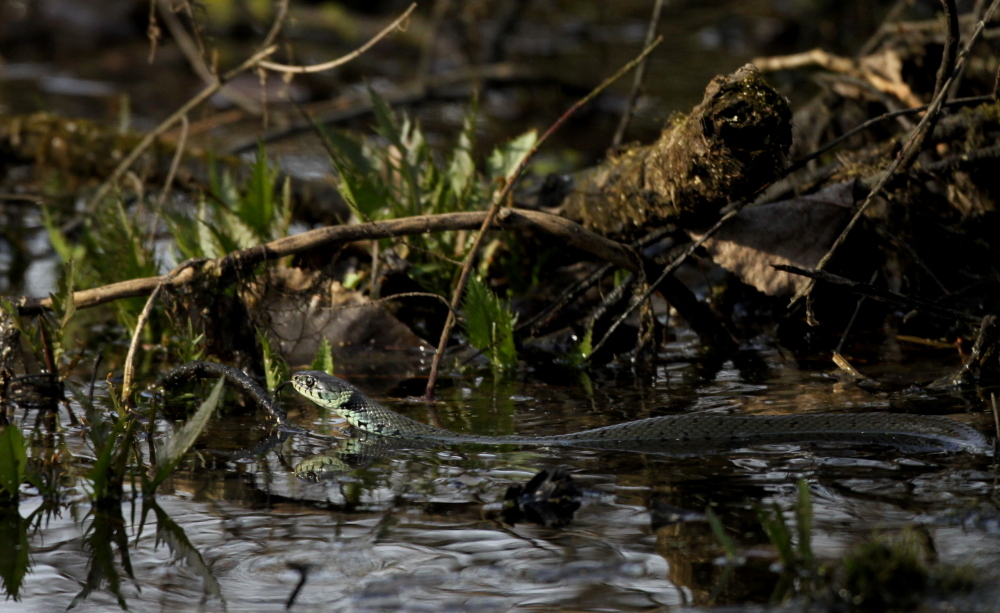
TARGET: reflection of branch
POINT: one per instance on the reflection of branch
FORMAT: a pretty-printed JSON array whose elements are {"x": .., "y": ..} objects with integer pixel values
[{"x": 570, "y": 233}]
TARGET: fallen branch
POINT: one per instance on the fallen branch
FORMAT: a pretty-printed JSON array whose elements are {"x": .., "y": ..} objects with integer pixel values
[
  {"x": 882, "y": 295},
  {"x": 570, "y": 233},
  {"x": 914, "y": 142}
]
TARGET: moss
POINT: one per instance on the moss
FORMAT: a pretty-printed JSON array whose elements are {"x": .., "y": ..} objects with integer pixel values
[
  {"x": 896, "y": 573},
  {"x": 730, "y": 145}
]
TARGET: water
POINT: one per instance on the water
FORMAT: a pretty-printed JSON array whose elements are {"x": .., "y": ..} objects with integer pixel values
[{"x": 415, "y": 530}]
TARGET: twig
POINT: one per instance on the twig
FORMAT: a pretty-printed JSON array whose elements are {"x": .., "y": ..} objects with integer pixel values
[
  {"x": 130, "y": 358},
  {"x": 165, "y": 125},
  {"x": 569, "y": 233},
  {"x": 174, "y": 164},
  {"x": 640, "y": 75},
  {"x": 933, "y": 110},
  {"x": 349, "y": 106},
  {"x": 498, "y": 202},
  {"x": 193, "y": 54},
  {"x": 129, "y": 374},
  {"x": 854, "y": 317},
  {"x": 948, "y": 72},
  {"x": 841, "y": 65},
  {"x": 882, "y": 295},
  {"x": 290, "y": 69},
  {"x": 669, "y": 270},
  {"x": 802, "y": 161}
]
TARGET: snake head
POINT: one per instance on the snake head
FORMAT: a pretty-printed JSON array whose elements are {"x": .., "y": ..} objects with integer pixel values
[{"x": 323, "y": 389}]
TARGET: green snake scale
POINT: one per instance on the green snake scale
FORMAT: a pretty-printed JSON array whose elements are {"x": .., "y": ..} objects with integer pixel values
[{"x": 669, "y": 434}]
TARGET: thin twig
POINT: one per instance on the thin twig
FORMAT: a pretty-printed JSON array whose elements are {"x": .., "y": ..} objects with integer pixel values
[
  {"x": 802, "y": 161},
  {"x": 378, "y": 301},
  {"x": 174, "y": 164},
  {"x": 669, "y": 270},
  {"x": 165, "y": 125},
  {"x": 854, "y": 317},
  {"x": 948, "y": 72},
  {"x": 191, "y": 51},
  {"x": 290, "y": 69},
  {"x": 498, "y": 202},
  {"x": 640, "y": 75},
  {"x": 130, "y": 358},
  {"x": 882, "y": 295},
  {"x": 933, "y": 110}
]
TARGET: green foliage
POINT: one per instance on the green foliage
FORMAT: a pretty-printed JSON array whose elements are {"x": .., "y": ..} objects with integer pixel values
[
  {"x": 887, "y": 573},
  {"x": 579, "y": 355},
  {"x": 13, "y": 462},
  {"x": 14, "y": 563},
  {"x": 399, "y": 175},
  {"x": 504, "y": 160},
  {"x": 732, "y": 554},
  {"x": 233, "y": 217},
  {"x": 323, "y": 360},
  {"x": 275, "y": 368},
  {"x": 489, "y": 325},
  {"x": 110, "y": 249},
  {"x": 113, "y": 446},
  {"x": 191, "y": 346},
  {"x": 170, "y": 454}
]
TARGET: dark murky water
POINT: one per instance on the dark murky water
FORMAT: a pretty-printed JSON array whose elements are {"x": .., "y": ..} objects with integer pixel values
[{"x": 410, "y": 531}]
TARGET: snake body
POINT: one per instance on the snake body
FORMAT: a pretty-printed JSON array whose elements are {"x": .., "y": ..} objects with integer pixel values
[{"x": 670, "y": 434}]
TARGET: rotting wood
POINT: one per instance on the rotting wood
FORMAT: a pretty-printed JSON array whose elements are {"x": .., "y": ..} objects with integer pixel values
[{"x": 732, "y": 144}]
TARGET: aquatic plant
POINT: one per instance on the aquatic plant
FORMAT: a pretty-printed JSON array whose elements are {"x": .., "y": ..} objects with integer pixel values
[{"x": 489, "y": 325}]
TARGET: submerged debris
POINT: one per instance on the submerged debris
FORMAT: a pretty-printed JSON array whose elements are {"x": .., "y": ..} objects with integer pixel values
[{"x": 549, "y": 499}]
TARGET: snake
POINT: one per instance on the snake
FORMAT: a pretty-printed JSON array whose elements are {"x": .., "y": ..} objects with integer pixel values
[{"x": 690, "y": 433}]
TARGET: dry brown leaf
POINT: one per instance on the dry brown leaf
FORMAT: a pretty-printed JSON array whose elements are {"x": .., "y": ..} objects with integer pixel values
[
  {"x": 357, "y": 330},
  {"x": 798, "y": 231}
]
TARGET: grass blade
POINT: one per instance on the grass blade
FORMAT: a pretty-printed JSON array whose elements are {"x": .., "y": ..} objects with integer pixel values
[{"x": 174, "y": 450}]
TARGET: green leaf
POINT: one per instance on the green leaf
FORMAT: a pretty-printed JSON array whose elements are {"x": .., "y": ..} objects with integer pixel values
[
  {"x": 171, "y": 453},
  {"x": 504, "y": 160},
  {"x": 66, "y": 249},
  {"x": 778, "y": 533},
  {"x": 256, "y": 208},
  {"x": 14, "y": 563},
  {"x": 462, "y": 168},
  {"x": 732, "y": 554},
  {"x": 62, "y": 301},
  {"x": 803, "y": 522},
  {"x": 323, "y": 359},
  {"x": 169, "y": 532},
  {"x": 13, "y": 461},
  {"x": 489, "y": 325},
  {"x": 275, "y": 368}
]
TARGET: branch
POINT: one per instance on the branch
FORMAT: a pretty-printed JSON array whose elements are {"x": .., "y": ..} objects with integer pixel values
[
  {"x": 915, "y": 140},
  {"x": 570, "y": 233},
  {"x": 498, "y": 203},
  {"x": 289, "y": 69},
  {"x": 882, "y": 295}
]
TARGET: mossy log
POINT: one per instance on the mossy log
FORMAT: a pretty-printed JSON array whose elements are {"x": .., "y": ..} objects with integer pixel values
[{"x": 730, "y": 145}]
